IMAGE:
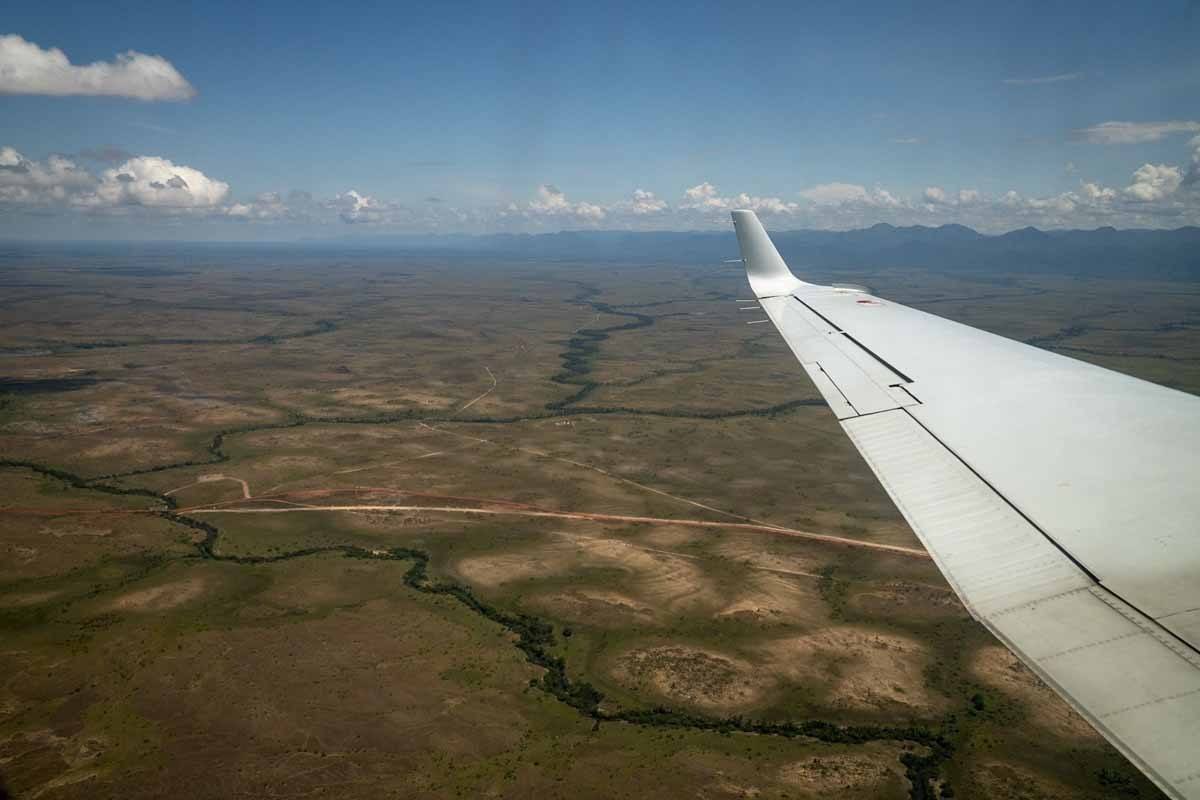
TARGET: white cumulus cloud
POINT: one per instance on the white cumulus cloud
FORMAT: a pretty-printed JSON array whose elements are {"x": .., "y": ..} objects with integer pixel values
[
  {"x": 645, "y": 202},
  {"x": 763, "y": 205},
  {"x": 1095, "y": 193},
  {"x": 1154, "y": 182},
  {"x": 146, "y": 181},
  {"x": 937, "y": 196},
  {"x": 705, "y": 198},
  {"x": 39, "y": 182},
  {"x": 836, "y": 193},
  {"x": 703, "y": 195},
  {"x": 25, "y": 68},
  {"x": 1193, "y": 174},
  {"x": 264, "y": 206},
  {"x": 552, "y": 202},
  {"x": 850, "y": 194},
  {"x": 155, "y": 182},
  {"x": 354, "y": 207}
]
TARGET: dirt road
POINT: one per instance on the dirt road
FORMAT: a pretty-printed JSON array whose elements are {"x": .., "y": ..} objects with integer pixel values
[{"x": 525, "y": 512}]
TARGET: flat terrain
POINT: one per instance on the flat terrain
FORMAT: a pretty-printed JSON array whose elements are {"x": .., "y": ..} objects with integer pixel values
[{"x": 284, "y": 522}]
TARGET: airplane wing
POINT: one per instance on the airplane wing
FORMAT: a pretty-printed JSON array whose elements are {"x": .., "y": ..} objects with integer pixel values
[{"x": 1061, "y": 500}]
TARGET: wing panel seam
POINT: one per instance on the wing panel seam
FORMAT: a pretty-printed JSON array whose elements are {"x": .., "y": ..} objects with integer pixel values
[
  {"x": 1164, "y": 635},
  {"x": 878, "y": 358},
  {"x": 1034, "y": 603},
  {"x": 824, "y": 318},
  {"x": 1091, "y": 575},
  {"x": 829, "y": 378},
  {"x": 1090, "y": 645},
  {"x": 1155, "y": 701},
  {"x": 1189, "y": 654}
]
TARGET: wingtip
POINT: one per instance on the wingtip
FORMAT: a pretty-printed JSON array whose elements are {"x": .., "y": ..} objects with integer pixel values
[{"x": 768, "y": 273}]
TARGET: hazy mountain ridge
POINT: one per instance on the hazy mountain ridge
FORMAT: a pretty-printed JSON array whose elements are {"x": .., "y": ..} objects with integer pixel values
[{"x": 1104, "y": 251}]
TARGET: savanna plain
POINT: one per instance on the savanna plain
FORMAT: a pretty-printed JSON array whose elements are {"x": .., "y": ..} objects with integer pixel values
[{"x": 296, "y": 522}]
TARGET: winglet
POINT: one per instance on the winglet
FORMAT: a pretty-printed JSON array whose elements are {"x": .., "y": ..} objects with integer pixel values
[{"x": 768, "y": 274}]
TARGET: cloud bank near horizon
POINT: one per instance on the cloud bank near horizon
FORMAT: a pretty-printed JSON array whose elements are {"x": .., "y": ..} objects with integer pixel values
[{"x": 155, "y": 188}]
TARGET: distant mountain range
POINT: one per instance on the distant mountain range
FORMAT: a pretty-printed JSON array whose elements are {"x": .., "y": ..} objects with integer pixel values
[{"x": 1169, "y": 254}]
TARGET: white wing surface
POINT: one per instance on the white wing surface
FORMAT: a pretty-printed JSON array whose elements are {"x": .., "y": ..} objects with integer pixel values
[{"x": 1060, "y": 499}]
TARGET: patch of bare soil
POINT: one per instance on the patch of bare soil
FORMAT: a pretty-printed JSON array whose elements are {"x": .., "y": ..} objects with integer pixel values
[
  {"x": 776, "y": 597},
  {"x": 409, "y": 397},
  {"x": 595, "y": 606},
  {"x": 61, "y": 528},
  {"x": 996, "y": 666},
  {"x": 73, "y": 758},
  {"x": 996, "y": 779},
  {"x": 660, "y": 580},
  {"x": 23, "y": 554},
  {"x": 694, "y": 676},
  {"x": 278, "y": 465},
  {"x": 668, "y": 581},
  {"x": 497, "y": 569},
  {"x": 903, "y": 597},
  {"x": 865, "y": 772},
  {"x": 669, "y": 536},
  {"x": 214, "y": 413},
  {"x": 131, "y": 448},
  {"x": 797, "y": 559},
  {"x": 157, "y": 598},
  {"x": 860, "y": 668}
]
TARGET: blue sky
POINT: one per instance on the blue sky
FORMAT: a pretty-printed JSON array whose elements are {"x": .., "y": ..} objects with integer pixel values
[{"x": 548, "y": 115}]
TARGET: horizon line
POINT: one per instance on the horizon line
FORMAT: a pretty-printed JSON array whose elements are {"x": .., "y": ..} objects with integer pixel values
[{"x": 377, "y": 236}]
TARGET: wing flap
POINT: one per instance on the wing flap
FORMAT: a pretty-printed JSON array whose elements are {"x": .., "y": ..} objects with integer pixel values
[
  {"x": 988, "y": 547},
  {"x": 1105, "y": 657},
  {"x": 834, "y": 362},
  {"x": 834, "y": 398}
]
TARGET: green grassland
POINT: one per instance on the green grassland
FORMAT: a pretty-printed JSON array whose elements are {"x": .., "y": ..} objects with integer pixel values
[{"x": 498, "y": 625}]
